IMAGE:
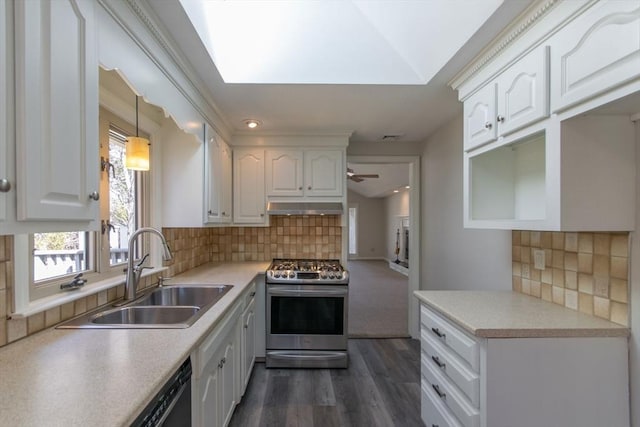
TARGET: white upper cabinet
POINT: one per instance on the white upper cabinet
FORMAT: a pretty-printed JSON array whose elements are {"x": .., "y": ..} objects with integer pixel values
[
  {"x": 249, "y": 203},
  {"x": 56, "y": 110},
  {"x": 304, "y": 173},
  {"x": 597, "y": 52},
  {"x": 6, "y": 84},
  {"x": 523, "y": 92},
  {"x": 516, "y": 98},
  {"x": 284, "y": 173},
  {"x": 217, "y": 180},
  {"x": 480, "y": 117},
  {"x": 324, "y": 172},
  {"x": 555, "y": 175}
]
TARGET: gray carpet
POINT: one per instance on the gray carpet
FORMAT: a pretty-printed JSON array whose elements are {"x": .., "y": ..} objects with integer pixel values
[{"x": 377, "y": 301}]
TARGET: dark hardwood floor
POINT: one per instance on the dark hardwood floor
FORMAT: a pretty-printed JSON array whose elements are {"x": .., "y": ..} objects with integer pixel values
[{"x": 381, "y": 387}]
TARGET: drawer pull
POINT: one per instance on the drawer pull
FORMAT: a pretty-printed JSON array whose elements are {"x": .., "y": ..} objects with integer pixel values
[
  {"x": 437, "y": 361},
  {"x": 435, "y": 425},
  {"x": 441, "y": 395},
  {"x": 438, "y": 333}
]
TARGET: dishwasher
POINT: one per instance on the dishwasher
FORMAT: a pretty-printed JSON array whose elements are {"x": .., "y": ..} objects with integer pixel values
[{"x": 171, "y": 407}]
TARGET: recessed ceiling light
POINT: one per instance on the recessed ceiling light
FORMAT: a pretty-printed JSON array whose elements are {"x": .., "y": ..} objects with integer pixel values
[
  {"x": 396, "y": 191},
  {"x": 407, "y": 187},
  {"x": 252, "y": 123}
]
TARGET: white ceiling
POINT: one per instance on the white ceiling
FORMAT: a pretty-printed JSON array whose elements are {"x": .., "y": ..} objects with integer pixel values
[
  {"x": 392, "y": 177},
  {"x": 334, "y": 42},
  {"x": 369, "y": 111}
]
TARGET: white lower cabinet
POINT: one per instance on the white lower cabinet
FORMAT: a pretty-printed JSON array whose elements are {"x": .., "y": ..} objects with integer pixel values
[
  {"x": 524, "y": 382},
  {"x": 216, "y": 373}
]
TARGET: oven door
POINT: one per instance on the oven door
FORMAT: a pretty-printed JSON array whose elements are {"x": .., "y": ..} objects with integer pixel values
[{"x": 307, "y": 317}]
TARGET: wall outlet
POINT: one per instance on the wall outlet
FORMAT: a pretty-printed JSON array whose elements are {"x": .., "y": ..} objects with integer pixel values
[{"x": 538, "y": 259}]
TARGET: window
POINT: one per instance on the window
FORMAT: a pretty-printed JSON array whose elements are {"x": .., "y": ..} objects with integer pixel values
[{"x": 59, "y": 256}]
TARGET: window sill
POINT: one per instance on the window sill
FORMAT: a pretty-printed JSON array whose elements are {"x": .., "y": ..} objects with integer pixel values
[{"x": 43, "y": 304}]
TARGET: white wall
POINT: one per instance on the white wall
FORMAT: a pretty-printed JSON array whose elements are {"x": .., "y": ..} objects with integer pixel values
[
  {"x": 396, "y": 206},
  {"x": 634, "y": 341},
  {"x": 371, "y": 222},
  {"x": 454, "y": 257}
]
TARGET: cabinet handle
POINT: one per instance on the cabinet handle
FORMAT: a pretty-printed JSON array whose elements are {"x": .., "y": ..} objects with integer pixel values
[
  {"x": 299, "y": 188},
  {"x": 309, "y": 188},
  {"x": 5, "y": 185},
  {"x": 94, "y": 196},
  {"x": 488, "y": 125},
  {"x": 224, "y": 214},
  {"x": 246, "y": 326},
  {"x": 500, "y": 119},
  {"x": 210, "y": 212},
  {"x": 438, "y": 362},
  {"x": 438, "y": 333},
  {"x": 441, "y": 395},
  {"x": 262, "y": 215},
  {"x": 435, "y": 425},
  {"x": 253, "y": 294}
]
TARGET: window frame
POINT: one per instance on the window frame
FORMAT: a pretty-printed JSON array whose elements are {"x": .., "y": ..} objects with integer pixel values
[{"x": 98, "y": 248}]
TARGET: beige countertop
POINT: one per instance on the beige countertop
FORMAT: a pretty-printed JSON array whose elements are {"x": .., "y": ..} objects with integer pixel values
[
  {"x": 90, "y": 377},
  {"x": 496, "y": 314}
]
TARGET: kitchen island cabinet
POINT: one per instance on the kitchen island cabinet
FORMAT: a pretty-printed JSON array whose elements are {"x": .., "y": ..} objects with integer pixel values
[{"x": 501, "y": 359}]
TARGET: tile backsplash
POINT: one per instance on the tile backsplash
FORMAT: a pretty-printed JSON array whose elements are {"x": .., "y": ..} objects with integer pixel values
[
  {"x": 296, "y": 236},
  {"x": 287, "y": 237},
  {"x": 587, "y": 272}
]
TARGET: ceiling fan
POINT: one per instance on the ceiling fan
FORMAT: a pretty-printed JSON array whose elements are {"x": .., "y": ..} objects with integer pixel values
[{"x": 359, "y": 177}]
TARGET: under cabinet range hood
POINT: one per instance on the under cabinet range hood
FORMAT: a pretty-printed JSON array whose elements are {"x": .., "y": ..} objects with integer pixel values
[{"x": 304, "y": 208}]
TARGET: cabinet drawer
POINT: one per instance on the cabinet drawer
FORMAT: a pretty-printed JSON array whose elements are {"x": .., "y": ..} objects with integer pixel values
[
  {"x": 449, "y": 364},
  {"x": 433, "y": 412},
  {"x": 449, "y": 395},
  {"x": 463, "y": 345},
  {"x": 249, "y": 294}
]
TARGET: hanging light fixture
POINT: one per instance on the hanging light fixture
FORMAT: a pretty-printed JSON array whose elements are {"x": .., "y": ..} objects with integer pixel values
[{"x": 137, "y": 150}]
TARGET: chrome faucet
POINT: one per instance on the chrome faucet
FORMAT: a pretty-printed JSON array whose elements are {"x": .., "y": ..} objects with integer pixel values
[{"x": 134, "y": 272}]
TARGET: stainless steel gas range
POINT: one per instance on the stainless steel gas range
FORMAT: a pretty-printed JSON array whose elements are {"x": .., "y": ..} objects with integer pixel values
[{"x": 307, "y": 305}]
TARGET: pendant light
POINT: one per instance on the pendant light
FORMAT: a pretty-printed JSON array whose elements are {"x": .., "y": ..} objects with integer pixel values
[{"x": 137, "y": 150}]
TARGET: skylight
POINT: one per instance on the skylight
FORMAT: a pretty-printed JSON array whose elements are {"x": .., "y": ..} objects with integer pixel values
[{"x": 335, "y": 41}]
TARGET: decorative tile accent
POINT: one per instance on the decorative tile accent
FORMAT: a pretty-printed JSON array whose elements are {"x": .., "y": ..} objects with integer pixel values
[{"x": 587, "y": 272}]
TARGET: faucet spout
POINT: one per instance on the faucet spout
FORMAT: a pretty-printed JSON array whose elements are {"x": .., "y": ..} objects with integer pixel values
[{"x": 134, "y": 271}]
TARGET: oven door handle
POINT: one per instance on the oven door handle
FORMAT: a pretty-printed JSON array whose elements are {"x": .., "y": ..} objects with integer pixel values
[{"x": 305, "y": 292}]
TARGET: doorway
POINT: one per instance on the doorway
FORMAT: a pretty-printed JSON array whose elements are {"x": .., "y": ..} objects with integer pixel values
[{"x": 412, "y": 249}]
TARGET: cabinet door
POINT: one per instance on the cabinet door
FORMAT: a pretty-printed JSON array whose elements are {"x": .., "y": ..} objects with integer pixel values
[
  {"x": 523, "y": 92},
  {"x": 248, "y": 186},
  {"x": 56, "y": 110},
  {"x": 6, "y": 71},
  {"x": 225, "y": 183},
  {"x": 284, "y": 173},
  {"x": 213, "y": 184},
  {"x": 228, "y": 375},
  {"x": 248, "y": 343},
  {"x": 218, "y": 181},
  {"x": 480, "y": 117},
  {"x": 206, "y": 408},
  {"x": 324, "y": 173},
  {"x": 596, "y": 52}
]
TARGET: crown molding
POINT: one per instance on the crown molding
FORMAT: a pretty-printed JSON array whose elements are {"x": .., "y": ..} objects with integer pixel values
[{"x": 513, "y": 32}]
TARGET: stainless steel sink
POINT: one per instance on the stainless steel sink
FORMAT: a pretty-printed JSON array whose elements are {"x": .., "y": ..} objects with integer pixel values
[
  {"x": 145, "y": 315},
  {"x": 199, "y": 296},
  {"x": 169, "y": 307}
]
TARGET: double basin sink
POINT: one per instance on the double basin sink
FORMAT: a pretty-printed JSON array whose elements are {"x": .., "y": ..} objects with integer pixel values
[{"x": 175, "y": 306}]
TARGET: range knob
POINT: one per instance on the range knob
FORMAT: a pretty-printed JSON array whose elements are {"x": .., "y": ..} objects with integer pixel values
[
  {"x": 292, "y": 275},
  {"x": 323, "y": 275},
  {"x": 332, "y": 275},
  {"x": 276, "y": 274}
]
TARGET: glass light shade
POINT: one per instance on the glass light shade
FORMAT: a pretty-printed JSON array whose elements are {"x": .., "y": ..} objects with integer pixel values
[{"x": 137, "y": 153}]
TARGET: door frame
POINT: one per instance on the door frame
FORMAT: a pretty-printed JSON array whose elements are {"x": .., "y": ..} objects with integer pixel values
[{"x": 413, "y": 312}]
